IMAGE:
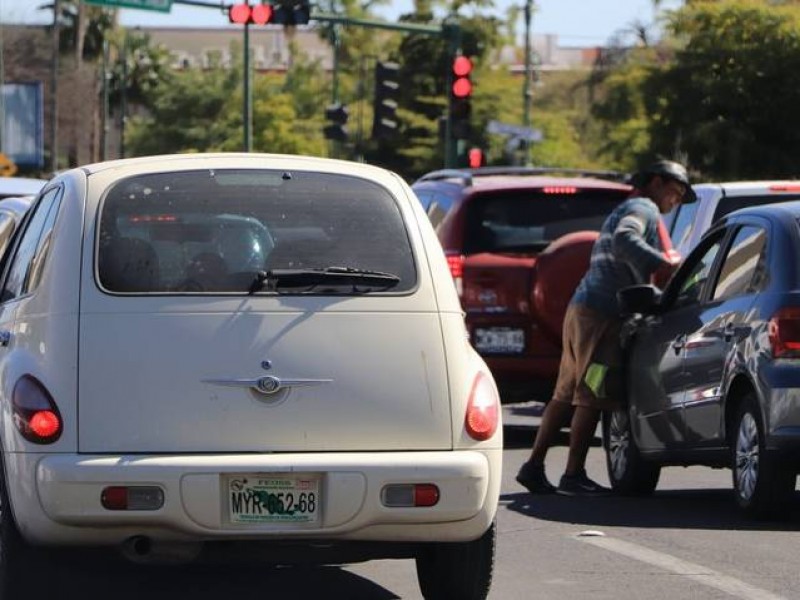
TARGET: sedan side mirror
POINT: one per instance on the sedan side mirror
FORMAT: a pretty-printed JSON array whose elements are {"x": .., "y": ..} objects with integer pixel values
[{"x": 643, "y": 299}]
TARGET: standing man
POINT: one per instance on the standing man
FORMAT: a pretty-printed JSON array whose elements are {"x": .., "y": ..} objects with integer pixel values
[{"x": 627, "y": 252}]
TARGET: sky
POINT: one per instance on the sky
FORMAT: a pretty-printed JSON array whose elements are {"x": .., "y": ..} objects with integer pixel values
[{"x": 576, "y": 22}]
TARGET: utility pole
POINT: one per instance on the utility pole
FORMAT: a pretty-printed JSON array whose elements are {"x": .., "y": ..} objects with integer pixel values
[
  {"x": 104, "y": 117},
  {"x": 54, "y": 90},
  {"x": 248, "y": 93},
  {"x": 527, "y": 93},
  {"x": 123, "y": 100}
]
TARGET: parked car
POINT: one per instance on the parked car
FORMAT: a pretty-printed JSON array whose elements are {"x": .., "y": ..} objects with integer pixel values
[
  {"x": 248, "y": 349},
  {"x": 518, "y": 242},
  {"x": 713, "y": 374},
  {"x": 688, "y": 222},
  {"x": 20, "y": 186}
]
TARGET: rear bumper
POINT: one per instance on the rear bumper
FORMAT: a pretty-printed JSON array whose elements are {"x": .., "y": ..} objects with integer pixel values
[{"x": 64, "y": 506}]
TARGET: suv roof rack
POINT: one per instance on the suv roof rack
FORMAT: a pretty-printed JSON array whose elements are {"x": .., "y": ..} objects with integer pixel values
[{"x": 467, "y": 175}]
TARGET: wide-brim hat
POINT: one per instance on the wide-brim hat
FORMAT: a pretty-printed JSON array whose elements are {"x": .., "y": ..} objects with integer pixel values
[{"x": 669, "y": 170}]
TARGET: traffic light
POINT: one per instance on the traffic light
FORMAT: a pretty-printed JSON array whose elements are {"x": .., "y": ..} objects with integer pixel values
[
  {"x": 336, "y": 129},
  {"x": 475, "y": 158},
  {"x": 288, "y": 12},
  {"x": 245, "y": 14},
  {"x": 291, "y": 12},
  {"x": 461, "y": 97},
  {"x": 384, "y": 120}
]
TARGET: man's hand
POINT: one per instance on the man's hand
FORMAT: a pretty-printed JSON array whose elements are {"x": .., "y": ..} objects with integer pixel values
[{"x": 663, "y": 274}]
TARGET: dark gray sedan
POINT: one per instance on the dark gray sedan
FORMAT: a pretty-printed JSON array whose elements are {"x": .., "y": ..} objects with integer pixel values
[{"x": 713, "y": 367}]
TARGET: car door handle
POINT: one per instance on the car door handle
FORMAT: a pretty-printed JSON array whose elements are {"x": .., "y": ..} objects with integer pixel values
[
  {"x": 5, "y": 338},
  {"x": 679, "y": 343}
]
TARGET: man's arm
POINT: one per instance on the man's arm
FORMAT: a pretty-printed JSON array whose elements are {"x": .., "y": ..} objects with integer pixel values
[{"x": 630, "y": 246}]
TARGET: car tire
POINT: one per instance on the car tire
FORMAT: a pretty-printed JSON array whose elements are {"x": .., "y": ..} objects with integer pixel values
[
  {"x": 16, "y": 567},
  {"x": 460, "y": 571},
  {"x": 628, "y": 472},
  {"x": 762, "y": 485}
]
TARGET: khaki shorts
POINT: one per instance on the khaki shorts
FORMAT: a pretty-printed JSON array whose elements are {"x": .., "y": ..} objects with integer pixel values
[{"x": 589, "y": 337}]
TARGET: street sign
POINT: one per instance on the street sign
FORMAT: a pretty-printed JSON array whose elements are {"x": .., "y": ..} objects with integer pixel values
[
  {"x": 159, "y": 5},
  {"x": 526, "y": 133}
]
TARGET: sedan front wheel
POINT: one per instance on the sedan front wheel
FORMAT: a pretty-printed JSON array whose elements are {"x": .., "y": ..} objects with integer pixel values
[{"x": 628, "y": 472}]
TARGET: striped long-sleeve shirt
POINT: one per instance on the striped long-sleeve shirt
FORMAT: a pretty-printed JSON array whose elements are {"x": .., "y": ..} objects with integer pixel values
[{"x": 627, "y": 252}]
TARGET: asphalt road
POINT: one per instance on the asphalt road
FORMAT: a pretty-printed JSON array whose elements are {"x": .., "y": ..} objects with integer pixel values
[{"x": 687, "y": 541}]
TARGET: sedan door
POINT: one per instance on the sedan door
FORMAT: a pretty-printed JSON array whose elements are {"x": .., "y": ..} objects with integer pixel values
[
  {"x": 710, "y": 350},
  {"x": 657, "y": 380}
]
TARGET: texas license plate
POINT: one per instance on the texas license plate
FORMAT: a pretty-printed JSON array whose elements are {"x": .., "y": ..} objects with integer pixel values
[
  {"x": 273, "y": 498},
  {"x": 499, "y": 340}
]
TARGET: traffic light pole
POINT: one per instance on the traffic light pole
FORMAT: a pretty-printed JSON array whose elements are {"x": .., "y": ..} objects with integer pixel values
[
  {"x": 451, "y": 31},
  {"x": 526, "y": 114},
  {"x": 248, "y": 93}
]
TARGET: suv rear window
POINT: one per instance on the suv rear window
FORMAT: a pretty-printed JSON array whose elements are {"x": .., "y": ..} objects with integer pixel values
[
  {"x": 214, "y": 231},
  {"x": 728, "y": 204},
  {"x": 527, "y": 221}
]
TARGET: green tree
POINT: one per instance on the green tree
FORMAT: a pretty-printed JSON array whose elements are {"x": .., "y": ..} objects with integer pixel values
[{"x": 728, "y": 102}]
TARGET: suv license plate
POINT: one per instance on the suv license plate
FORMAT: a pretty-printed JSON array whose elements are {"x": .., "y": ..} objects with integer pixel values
[
  {"x": 273, "y": 498},
  {"x": 499, "y": 340}
]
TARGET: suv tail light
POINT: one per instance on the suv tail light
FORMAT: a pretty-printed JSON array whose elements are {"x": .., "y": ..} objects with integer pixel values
[
  {"x": 784, "y": 333},
  {"x": 483, "y": 409},
  {"x": 455, "y": 261},
  {"x": 35, "y": 413}
]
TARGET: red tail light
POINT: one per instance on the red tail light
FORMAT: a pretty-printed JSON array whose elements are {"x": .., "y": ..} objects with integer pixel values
[
  {"x": 455, "y": 261},
  {"x": 784, "y": 333},
  {"x": 560, "y": 189},
  {"x": 483, "y": 409},
  {"x": 36, "y": 415},
  {"x": 787, "y": 187}
]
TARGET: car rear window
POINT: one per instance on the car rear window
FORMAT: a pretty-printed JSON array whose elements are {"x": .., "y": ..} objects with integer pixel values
[
  {"x": 527, "y": 221},
  {"x": 215, "y": 231},
  {"x": 728, "y": 204}
]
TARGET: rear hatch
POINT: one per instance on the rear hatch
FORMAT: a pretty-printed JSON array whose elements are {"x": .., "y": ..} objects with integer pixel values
[
  {"x": 505, "y": 233},
  {"x": 257, "y": 349}
]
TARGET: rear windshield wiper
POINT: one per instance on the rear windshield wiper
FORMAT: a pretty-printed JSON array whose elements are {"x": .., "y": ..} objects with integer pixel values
[{"x": 357, "y": 279}]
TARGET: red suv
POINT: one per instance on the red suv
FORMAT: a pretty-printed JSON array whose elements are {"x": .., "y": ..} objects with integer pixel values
[{"x": 518, "y": 242}]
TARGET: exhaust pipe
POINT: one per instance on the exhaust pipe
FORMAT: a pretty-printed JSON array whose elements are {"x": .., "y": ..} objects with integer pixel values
[
  {"x": 137, "y": 548},
  {"x": 143, "y": 550}
]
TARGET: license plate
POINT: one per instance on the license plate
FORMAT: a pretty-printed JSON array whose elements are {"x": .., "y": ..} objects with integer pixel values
[
  {"x": 499, "y": 340},
  {"x": 273, "y": 498}
]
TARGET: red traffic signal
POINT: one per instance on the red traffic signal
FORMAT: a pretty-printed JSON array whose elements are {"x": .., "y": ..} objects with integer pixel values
[
  {"x": 462, "y": 86},
  {"x": 475, "y": 158},
  {"x": 243, "y": 14},
  {"x": 462, "y": 66}
]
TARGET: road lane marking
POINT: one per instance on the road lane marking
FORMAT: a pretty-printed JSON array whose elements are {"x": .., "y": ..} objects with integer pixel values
[{"x": 695, "y": 572}]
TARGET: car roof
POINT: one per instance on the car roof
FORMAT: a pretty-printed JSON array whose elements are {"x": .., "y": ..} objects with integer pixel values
[
  {"x": 20, "y": 186},
  {"x": 781, "y": 210},
  {"x": 496, "y": 178},
  {"x": 745, "y": 188},
  {"x": 228, "y": 160}
]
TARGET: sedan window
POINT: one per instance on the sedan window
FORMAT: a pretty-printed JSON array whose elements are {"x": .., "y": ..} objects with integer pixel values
[
  {"x": 691, "y": 283},
  {"x": 744, "y": 268}
]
